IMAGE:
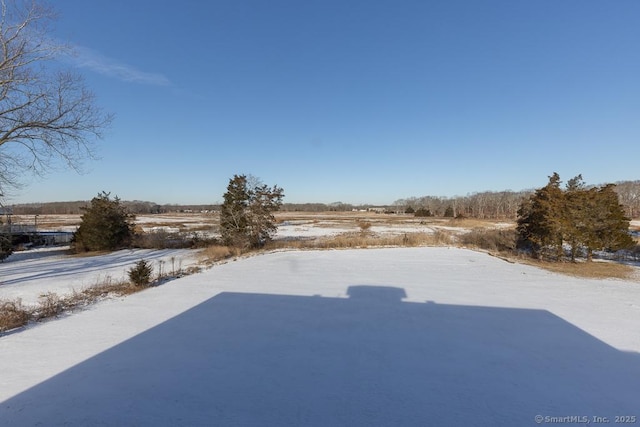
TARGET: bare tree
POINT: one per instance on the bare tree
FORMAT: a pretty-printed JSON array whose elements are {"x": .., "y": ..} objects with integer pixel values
[
  {"x": 46, "y": 115},
  {"x": 629, "y": 193}
]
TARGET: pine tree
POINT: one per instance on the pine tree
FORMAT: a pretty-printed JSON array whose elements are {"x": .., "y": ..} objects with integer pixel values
[
  {"x": 105, "y": 225},
  {"x": 246, "y": 216},
  {"x": 591, "y": 219},
  {"x": 608, "y": 228},
  {"x": 540, "y": 219},
  {"x": 575, "y": 215},
  {"x": 140, "y": 274},
  {"x": 233, "y": 217}
]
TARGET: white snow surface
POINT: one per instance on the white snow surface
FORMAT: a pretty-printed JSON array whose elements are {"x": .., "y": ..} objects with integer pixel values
[
  {"x": 377, "y": 337},
  {"x": 30, "y": 274}
]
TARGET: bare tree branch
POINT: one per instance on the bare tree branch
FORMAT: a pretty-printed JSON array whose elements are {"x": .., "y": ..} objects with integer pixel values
[{"x": 46, "y": 116}]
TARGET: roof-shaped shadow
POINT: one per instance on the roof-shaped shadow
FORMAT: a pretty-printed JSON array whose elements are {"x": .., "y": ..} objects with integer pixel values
[{"x": 371, "y": 359}]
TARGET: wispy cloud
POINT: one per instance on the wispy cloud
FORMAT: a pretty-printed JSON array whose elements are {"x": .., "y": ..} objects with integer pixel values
[{"x": 94, "y": 61}]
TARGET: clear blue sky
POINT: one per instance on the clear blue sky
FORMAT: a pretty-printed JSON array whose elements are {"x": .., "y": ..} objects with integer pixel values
[{"x": 353, "y": 101}]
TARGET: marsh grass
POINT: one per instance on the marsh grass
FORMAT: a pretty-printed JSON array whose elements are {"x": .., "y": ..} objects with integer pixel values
[{"x": 366, "y": 240}]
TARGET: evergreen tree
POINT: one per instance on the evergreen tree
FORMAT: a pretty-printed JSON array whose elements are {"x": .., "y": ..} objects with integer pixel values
[
  {"x": 233, "y": 217},
  {"x": 540, "y": 219},
  {"x": 246, "y": 215},
  {"x": 105, "y": 225},
  {"x": 140, "y": 274},
  {"x": 591, "y": 219},
  {"x": 608, "y": 228},
  {"x": 448, "y": 212},
  {"x": 575, "y": 215}
]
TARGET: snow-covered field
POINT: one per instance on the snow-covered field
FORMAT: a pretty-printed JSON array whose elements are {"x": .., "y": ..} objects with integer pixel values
[
  {"x": 378, "y": 337},
  {"x": 28, "y": 275}
]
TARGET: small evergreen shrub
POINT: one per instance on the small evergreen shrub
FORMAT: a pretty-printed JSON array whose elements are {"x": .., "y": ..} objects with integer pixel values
[{"x": 140, "y": 274}]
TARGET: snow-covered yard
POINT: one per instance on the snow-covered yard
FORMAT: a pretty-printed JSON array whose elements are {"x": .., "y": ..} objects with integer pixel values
[
  {"x": 379, "y": 337},
  {"x": 28, "y": 275}
]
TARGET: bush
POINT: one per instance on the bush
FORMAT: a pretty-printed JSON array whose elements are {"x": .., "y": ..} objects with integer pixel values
[
  {"x": 140, "y": 274},
  {"x": 106, "y": 226},
  {"x": 13, "y": 315},
  {"x": 422, "y": 212},
  {"x": 6, "y": 248},
  {"x": 491, "y": 239},
  {"x": 364, "y": 226},
  {"x": 161, "y": 239},
  {"x": 51, "y": 305}
]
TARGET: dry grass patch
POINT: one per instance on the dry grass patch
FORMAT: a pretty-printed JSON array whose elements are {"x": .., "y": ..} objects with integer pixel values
[
  {"x": 473, "y": 223},
  {"x": 216, "y": 253},
  {"x": 490, "y": 239},
  {"x": 53, "y": 305},
  {"x": 363, "y": 225},
  {"x": 589, "y": 270},
  {"x": 50, "y": 222},
  {"x": 363, "y": 240}
]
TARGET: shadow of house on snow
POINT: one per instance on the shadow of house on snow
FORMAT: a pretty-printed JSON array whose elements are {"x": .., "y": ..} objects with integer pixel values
[{"x": 368, "y": 360}]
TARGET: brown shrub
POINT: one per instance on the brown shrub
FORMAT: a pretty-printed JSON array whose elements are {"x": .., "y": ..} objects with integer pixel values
[
  {"x": 13, "y": 315},
  {"x": 501, "y": 240},
  {"x": 364, "y": 225},
  {"x": 51, "y": 305}
]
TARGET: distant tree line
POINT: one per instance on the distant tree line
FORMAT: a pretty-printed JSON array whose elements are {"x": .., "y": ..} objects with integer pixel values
[
  {"x": 483, "y": 205},
  {"x": 504, "y": 204},
  {"x": 76, "y": 207},
  {"x": 629, "y": 194}
]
